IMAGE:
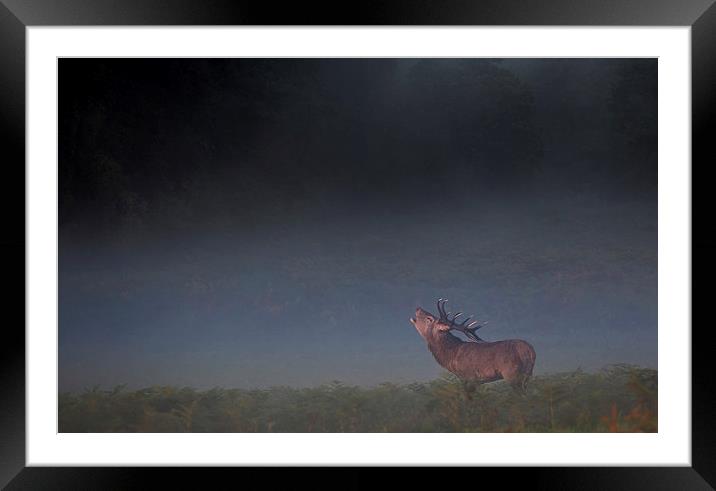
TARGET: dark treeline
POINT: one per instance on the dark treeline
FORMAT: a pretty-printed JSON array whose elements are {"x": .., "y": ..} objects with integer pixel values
[
  {"x": 179, "y": 143},
  {"x": 619, "y": 398}
]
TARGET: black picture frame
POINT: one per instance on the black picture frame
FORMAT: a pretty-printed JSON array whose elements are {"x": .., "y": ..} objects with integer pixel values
[{"x": 16, "y": 15}]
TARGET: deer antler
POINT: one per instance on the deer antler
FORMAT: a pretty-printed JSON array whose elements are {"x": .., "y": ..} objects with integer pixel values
[{"x": 468, "y": 329}]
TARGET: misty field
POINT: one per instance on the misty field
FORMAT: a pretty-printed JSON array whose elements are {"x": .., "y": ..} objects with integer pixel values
[{"x": 618, "y": 398}]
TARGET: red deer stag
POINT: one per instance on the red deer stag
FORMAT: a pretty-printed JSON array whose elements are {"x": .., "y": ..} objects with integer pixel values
[{"x": 475, "y": 360}]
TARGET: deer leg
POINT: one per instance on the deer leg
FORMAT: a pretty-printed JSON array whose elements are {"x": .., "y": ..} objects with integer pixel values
[
  {"x": 518, "y": 382},
  {"x": 469, "y": 388},
  {"x": 520, "y": 385}
]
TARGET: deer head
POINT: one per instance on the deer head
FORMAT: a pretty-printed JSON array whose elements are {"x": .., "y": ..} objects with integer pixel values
[{"x": 428, "y": 325}]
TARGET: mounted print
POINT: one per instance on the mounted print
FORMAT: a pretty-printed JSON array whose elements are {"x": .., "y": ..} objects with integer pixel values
[{"x": 357, "y": 245}]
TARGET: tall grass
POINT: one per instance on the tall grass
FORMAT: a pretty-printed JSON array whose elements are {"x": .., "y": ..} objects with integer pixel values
[{"x": 618, "y": 398}]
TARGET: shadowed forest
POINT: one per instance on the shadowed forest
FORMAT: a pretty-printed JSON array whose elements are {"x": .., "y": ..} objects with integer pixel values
[{"x": 618, "y": 398}]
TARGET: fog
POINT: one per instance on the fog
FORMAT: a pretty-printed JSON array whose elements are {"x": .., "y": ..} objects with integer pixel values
[{"x": 251, "y": 223}]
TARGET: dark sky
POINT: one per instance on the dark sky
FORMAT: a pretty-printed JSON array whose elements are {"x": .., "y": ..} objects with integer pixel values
[{"x": 254, "y": 222}]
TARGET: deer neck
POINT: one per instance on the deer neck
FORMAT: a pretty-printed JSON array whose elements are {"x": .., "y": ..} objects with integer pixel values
[{"x": 443, "y": 346}]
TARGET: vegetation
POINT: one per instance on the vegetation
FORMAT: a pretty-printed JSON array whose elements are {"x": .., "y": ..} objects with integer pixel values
[{"x": 619, "y": 398}]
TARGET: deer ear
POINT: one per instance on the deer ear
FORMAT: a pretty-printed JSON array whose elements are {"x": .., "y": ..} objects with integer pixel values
[{"x": 442, "y": 327}]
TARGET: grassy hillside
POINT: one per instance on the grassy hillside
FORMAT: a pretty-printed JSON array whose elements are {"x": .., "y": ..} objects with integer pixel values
[{"x": 619, "y": 398}]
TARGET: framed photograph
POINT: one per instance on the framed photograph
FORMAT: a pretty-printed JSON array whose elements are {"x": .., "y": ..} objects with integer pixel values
[{"x": 276, "y": 238}]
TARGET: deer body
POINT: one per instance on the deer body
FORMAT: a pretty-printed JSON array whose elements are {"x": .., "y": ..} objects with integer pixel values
[{"x": 478, "y": 361}]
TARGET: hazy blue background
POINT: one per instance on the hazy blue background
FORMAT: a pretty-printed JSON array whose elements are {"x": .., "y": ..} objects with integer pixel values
[{"x": 246, "y": 223}]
